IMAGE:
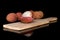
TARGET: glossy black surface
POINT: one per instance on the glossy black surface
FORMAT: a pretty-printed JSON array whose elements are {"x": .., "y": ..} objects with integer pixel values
[{"x": 50, "y": 32}]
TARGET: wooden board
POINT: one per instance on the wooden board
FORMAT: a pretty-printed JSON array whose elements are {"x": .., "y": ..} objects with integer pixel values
[
  {"x": 25, "y": 30},
  {"x": 35, "y": 23},
  {"x": 21, "y": 26}
]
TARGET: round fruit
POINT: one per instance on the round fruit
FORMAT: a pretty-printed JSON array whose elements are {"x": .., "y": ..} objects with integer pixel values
[
  {"x": 37, "y": 14},
  {"x": 19, "y": 15},
  {"x": 11, "y": 17},
  {"x": 26, "y": 19}
]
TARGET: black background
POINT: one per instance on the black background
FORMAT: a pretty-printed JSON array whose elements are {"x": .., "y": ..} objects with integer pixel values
[{"x": 50, "y": 8}]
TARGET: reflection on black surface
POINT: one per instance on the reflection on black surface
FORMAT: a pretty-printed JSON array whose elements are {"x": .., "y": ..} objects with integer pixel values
[
  {"x": 46, "y": 32},
  {"x": 13, "y": 36}
]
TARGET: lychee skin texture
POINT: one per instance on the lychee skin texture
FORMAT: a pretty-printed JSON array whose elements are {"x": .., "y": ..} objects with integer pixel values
[
  {"x": 19, "y": 15},
  {"x": 11, "y": 17},
  {"x": 26, "y": 19},
  {"x": 38, "y": 14}
]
